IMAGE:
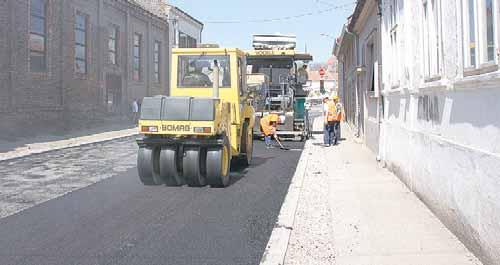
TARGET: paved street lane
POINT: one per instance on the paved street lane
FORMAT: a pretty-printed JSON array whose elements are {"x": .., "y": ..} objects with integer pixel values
[{"x": 120, "y": 221}]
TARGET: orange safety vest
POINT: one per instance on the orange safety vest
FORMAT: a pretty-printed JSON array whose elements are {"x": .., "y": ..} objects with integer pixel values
[
  {"x": 266, "y": 127},
  {"x": 332, "y": 112},
  {"x": 338, "y": 108}
]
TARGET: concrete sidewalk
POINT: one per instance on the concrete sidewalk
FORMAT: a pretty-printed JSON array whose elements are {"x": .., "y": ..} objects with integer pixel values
[
  {"x": 342, "y": 208},
  {"x": 42, "y": 146}
]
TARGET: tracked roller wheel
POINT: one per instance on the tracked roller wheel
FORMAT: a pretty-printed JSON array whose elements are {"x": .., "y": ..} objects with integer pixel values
[
  {"x": 168, "y": 167},
  {"x": 148, "y": 166},
  {"x": 192, "y": 167},
  {"x": 218, "y": 166}
]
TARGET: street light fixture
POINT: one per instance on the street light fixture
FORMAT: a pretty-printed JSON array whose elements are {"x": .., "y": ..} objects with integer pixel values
[{"x": 327, "y": 35}]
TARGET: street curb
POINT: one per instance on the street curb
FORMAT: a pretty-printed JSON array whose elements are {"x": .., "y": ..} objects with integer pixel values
[
  {"x": 71, "y": 143},
  {"x": 278, "y": 242}
]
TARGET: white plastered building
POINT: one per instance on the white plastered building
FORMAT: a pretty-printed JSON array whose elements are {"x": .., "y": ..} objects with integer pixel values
[{"x": 439, "y": 110}]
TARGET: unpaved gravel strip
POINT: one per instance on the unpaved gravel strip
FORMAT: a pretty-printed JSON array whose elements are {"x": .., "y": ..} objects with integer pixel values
[
  {"x": 278, "y": 242},
  {"x": 311, "y": 238},
  {"x": 38, "y": 148},
  {"x": 29, "y": 181}
]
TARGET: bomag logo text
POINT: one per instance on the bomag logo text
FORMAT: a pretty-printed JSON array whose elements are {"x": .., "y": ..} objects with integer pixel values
[{"x": 176, "y": 128}]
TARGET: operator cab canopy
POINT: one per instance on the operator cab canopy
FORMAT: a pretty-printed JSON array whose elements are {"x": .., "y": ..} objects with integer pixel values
[{"x": 194, "y": 68}]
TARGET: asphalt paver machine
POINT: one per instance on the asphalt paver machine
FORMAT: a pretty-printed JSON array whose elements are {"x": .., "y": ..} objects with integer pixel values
[{"x": 275, "y": 57}]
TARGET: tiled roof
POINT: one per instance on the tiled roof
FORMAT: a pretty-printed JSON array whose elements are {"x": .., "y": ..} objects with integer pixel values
[
  {"x": 160, "y": 8},
  {"x": 357, "y": 12},
  {"x": 152, "y": 6},
  {"x": 314, "y": 76}
]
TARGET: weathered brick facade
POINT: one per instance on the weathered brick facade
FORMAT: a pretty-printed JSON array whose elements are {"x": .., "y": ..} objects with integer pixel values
[{"x": 61, "y": 93}]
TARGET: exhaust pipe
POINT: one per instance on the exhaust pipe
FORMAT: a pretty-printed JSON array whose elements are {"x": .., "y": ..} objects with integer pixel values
[{"x": 216, "y": 70}]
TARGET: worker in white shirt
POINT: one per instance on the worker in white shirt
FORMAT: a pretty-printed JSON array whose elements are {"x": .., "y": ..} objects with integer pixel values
[{"x": 325, "y": 114}]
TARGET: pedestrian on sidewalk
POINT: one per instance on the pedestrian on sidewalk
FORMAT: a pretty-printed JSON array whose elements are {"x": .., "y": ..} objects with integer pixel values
[
  {"x": 135, "y": 111},
  {"x": 268, "y": 126}
]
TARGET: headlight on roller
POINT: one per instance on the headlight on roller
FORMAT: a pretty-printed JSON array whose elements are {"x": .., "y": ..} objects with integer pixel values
[
  {"x": 149, "y": 129},
  {"x": 202, "y": 130}
]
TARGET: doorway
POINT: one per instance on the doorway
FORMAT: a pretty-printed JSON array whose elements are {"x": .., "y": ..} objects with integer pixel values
[{"x": 113, "y": 93}]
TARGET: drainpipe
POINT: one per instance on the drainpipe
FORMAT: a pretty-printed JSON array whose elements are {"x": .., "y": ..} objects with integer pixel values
[
  {"x": 358, "y": 107},
  {"x": 381, "y": 141}
]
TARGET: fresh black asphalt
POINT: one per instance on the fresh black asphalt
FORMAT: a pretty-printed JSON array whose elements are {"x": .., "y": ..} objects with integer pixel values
[{"x": 120, "y": 221}]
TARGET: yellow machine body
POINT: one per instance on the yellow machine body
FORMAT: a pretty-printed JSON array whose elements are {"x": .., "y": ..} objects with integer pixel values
[
  {"x": 238, "y": 109},
  {"x": 201, "y": 126},
  {"x": 232, "y": 110}
]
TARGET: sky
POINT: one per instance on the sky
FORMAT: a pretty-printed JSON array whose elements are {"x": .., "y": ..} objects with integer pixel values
[{"x": 328, "y": 18}]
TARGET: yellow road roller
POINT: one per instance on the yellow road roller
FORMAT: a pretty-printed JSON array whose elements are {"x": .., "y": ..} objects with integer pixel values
[{"x": 194, "y": 135}]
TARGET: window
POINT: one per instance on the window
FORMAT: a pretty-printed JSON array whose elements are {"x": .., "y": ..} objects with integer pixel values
[
  {"x": 197, "y": 71},
  {"x": 113, "y": 45},
  {"x": 395, "y": 78},
  {"x": 431, "y": 39},
  {"x": 81, "y": 24},
  {"x": 38, "y": 36},
  {"x": 137, "y": 65},
  {"x": 156, "y": 60},
  {"x": 479, "y": 32},
  {"x": 394, "y": 12},
  {"x": 395, "y": 60},
  {"x": 370, "y": 63},
  {"x": 490, "y": 41},
  {"x": 471, "y": 31},
  {"x": 186, "y": 41}
]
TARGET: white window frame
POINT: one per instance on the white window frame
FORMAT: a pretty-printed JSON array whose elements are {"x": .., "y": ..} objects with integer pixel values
[
  {"x": 395, "y": 73},
  {"x": 394, "y": 6},
  {"x": 137, "y": 56},
  {"x": 431, "y": 39},
  {"x": 480, "y": 30},
  {"x": 113, "y": 36},
  {"x": 42, "y": 52},
  {"x": 157, "y": 61},
  {"x": 395, "y": 60},
  {"x": 85, "y": 44}
]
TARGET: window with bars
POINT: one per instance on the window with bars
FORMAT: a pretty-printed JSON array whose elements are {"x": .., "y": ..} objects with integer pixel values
[
  {"x": 38, "y": 36},
  {"x": 81, "y": 43},
  {"x": 113, "y": 45},
  {"x": 479, "y": 28},
  {"x": 156, "y": 60},
  {"x": 186, "y": 41},
  {"x": 137, "y": 54}
]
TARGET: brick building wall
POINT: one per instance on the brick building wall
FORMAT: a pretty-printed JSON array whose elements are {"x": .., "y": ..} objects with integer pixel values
[
  {"x": 4, "y": 59},
  {"x": 61, "y": 92}
]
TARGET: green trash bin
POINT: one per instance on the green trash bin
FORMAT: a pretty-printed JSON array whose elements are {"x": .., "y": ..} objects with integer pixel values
[{"x": 299, "y": 109}]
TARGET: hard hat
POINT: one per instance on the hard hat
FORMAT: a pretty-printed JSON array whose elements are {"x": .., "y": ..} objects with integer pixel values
[
  {"x": 335, "y": 97},
  {"x": 273, "y": 117}
]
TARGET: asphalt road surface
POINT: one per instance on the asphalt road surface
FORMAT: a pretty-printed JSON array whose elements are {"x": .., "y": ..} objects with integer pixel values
[{"x": 120, "y": 221}]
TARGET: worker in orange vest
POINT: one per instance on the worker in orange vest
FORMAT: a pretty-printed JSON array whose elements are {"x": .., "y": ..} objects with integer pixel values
[
  {"x": 333, "y": 118},
  {"x": 340, "y": 117},
  {"x": 268, "y": 126}
]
